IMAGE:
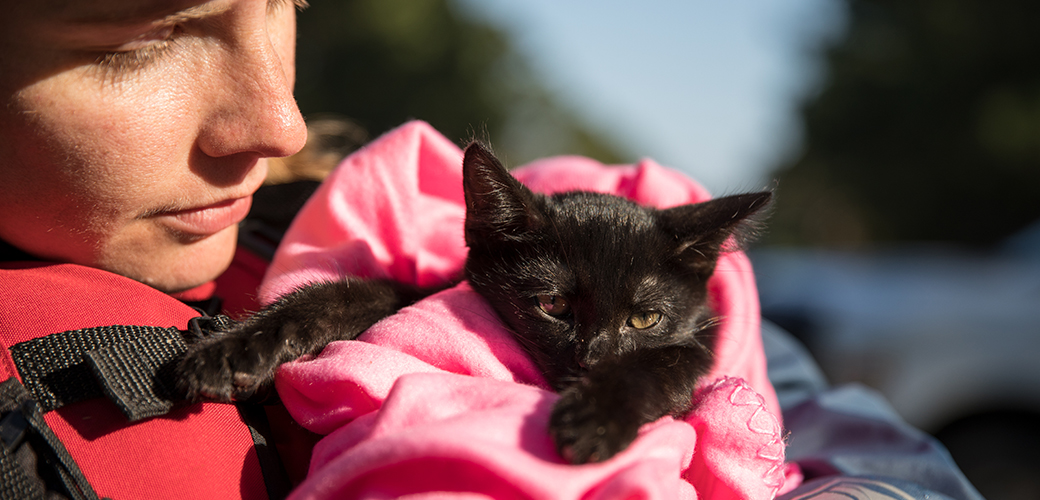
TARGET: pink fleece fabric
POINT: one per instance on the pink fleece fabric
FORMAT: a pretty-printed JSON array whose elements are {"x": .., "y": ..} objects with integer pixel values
[{"x": 439, "y": 401}]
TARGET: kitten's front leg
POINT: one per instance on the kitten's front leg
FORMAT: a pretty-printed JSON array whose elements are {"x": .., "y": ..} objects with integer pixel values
[
  {"x": 601, "y": 414},
  {"x": 234, "y": 365}
]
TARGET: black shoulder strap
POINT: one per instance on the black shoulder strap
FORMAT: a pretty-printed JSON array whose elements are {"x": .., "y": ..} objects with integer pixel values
[
  {"x": 33, "y": 462},
  {"x": 132, "y": 365}
]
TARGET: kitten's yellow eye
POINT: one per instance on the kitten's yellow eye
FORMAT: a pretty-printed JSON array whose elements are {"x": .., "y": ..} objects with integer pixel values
[
  {"x": 553, "y": 305},
  {"x": 644, "y": 320}
]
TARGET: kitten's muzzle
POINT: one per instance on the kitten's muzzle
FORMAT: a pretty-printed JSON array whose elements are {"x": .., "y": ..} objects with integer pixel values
[
  {"x": 583, "y": 357},
  {"x": 590, "y": 353}
]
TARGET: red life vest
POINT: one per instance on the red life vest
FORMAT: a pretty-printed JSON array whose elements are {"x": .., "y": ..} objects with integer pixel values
[{"x": 201, "y": 450}]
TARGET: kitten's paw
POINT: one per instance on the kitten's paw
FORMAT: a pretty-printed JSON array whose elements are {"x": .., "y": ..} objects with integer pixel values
[
  {"x": 238, "y": 365},
  {"x": 589, "y": 429}
]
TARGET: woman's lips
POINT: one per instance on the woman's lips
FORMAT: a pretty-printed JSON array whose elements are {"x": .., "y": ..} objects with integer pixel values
[{"x": 210, "y": 219}]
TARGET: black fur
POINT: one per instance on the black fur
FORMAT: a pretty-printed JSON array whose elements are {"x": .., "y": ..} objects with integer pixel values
[
  {"x": 241, "y": 362},
  {"x": 608, "y": 297}
]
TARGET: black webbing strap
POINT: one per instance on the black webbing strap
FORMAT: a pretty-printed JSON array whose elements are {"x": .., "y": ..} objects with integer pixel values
[
  {"x": 132, "y": 365},
  {"x": 138, "y": 376},
  {"x": 276, "y": 479},
  {"x": 33, "y": 462}
]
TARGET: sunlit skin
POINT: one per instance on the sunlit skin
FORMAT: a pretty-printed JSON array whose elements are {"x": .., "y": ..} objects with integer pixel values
[{"x": 133, "y": 132}]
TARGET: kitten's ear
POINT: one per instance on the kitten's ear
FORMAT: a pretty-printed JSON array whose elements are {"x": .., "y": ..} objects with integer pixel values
[
  {"x": 701, "y": 230},
  {"x": 498, "y": 207}
]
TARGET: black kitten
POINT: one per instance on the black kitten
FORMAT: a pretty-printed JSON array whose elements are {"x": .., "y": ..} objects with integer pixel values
[{"x": 608, "y": 297}]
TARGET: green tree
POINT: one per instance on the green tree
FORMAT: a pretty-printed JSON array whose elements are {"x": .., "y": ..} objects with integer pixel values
[
  {"x": 382, "y": 62},
  {"x": 926, "y": 127}
]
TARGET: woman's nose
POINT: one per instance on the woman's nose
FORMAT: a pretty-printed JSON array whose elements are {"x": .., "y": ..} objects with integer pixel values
[{"x": 254, "y": 110}]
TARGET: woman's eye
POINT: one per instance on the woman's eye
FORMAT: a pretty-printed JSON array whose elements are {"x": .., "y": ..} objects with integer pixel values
[
  {"x": 553, "y": 305},
  {"x": 644, "y": 320},
  {"x": 140, "y": 51}
]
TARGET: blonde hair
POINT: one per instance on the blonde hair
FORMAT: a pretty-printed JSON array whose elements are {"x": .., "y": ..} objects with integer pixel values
[{"x": 330, "y": 138}]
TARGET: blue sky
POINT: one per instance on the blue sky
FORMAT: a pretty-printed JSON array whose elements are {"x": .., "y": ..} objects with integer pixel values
[{"x": 706, "y": 86}]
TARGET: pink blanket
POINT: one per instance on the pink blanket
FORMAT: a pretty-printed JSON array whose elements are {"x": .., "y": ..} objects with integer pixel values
[{"x": 439, "y": 401}]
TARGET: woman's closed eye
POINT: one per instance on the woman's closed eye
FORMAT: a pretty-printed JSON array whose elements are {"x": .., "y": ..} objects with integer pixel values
[{"x": 140, "y": 51}]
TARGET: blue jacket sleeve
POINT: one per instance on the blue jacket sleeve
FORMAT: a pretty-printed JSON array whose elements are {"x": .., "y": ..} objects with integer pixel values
[{"x": 849, "y": 441}]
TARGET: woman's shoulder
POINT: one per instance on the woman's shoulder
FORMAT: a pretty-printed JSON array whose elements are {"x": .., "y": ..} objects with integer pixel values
[{"x": 39, "y": 298}]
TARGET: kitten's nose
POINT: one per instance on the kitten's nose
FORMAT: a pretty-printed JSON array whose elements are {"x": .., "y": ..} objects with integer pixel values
[
  {"x": 591, "y": 352},
  {"x": 581, "y": 358},
  {"x": 585, "y": 359}
]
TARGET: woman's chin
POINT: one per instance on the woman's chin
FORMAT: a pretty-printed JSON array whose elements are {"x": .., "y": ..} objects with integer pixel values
[{"x": 178, "y": 265}]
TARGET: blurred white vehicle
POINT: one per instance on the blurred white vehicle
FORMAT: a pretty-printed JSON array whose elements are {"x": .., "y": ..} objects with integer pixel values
[{"x": 950, "y": 336}]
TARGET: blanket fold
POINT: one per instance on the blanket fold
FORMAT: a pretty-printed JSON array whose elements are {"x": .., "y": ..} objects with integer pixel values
[{"x": 439, "y": 400}]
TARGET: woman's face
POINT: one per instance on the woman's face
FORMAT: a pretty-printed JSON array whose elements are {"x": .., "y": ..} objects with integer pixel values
[{"x": 133, "y": 132}]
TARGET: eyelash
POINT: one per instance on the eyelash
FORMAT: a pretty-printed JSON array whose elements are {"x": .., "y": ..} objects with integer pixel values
[{"x": 120, "y": 61}]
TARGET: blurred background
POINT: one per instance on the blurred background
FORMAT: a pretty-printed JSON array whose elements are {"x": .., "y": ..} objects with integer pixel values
[{"x": 902, "y": 138}]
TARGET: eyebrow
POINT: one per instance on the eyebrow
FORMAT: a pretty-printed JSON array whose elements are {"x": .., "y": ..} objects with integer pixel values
[
  {"x": 128, "y": 13},
  {"x": 159, "y": 12}
]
